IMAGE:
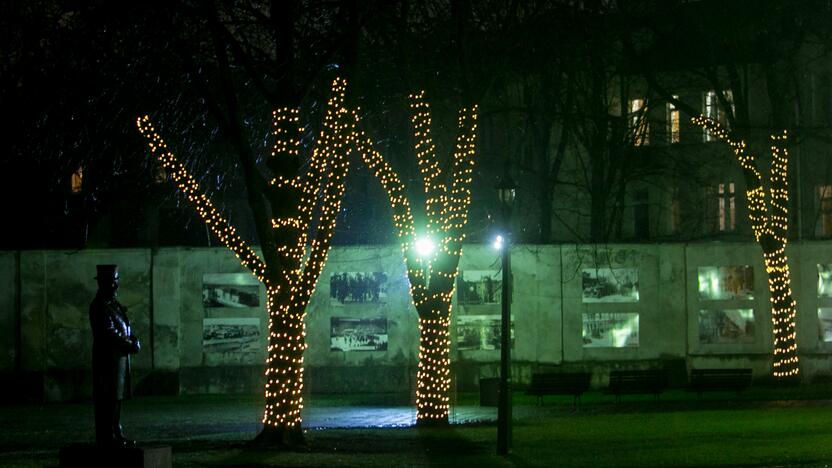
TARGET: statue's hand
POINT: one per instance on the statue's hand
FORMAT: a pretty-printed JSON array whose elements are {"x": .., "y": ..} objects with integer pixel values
[{"x": 136, "y": 344}]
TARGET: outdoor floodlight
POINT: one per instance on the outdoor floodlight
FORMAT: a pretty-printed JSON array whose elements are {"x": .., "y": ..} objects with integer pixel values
[
  {"x": 498, "y": 243},
  {"x": 425, "y": 247}
]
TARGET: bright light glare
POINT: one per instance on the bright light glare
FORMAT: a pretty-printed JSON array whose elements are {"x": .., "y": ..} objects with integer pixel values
[
  {"x": 498, "y": 243},
  {"x": 424, "y": 246}
]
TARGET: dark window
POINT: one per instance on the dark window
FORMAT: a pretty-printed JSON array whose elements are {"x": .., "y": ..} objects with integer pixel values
[
  {"x": 824, "y": 99},
  {"x": 823, "y": 198},
  {"x": 641, "y": 214}
]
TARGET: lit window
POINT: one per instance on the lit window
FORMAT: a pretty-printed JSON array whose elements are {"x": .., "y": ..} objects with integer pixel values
[
  {"x": 823, "y": 228},
  {"x": 675, "y": 211},
  {"x": 638, "y": 122},
  {"x": 76, "y": 182},
  {"x": 729, "y": 96},
  {"x": 727, "y": 207},
  {"x": 712, "y": 110},
  {"x": 672, "y": 122}
]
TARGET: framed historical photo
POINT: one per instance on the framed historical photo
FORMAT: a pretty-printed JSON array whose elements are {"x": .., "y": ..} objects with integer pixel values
[
  {"x": 610, "y": 330},
  {"x": 825, "y": 324},
  {"x": 609, "y": 285},
  {"x": 726, "y": 326},
  {"x": 726, "y": 282},
  {"x": 354, "y": 334},
  {"x": 233, "y": 290},
  {"x": 480, "y": 332},
  {"x": 231, "y": 335},
  {"x": 479, "y": 287},
  {"x": 824, "y": 280},
  {"x": 350, "y": 287}
]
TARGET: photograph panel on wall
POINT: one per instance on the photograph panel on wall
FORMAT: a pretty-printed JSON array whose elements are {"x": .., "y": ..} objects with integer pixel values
[
  {"x": 479, "y": 287},
  {"x": 231, "y": 335},
  {"x": 350, "y": 287},
  {"x": 352, "y": 334},
  {"x": 824, "y": 280},
  {"x": 234, "y": 290},
  {"x": 825, "y": 324},
  {"x": 726, "y": 326},
  {"x": 718, "y": 283},
  {"x": 609, "y": 285},
  {"x": 480, "y": 332},
  {"x": 610, "y": 330}
]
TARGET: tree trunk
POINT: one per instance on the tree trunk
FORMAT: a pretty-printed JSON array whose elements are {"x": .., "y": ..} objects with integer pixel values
[
  {"x": 545, "y": 199},
  {"x": 433, "y": 378},
  {"x": 284, "y": 370},
  {"x": 545, "y": 196},
  {"x": 783, "y": 308},
  {"x": 598, "y": 214}
]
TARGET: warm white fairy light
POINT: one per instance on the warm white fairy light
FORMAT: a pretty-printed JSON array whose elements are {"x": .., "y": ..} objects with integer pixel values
[
  {"x": 769, "y": 216},
  {"x": 290, "y": 283},
  {"x": 431, "y": 275},
  {"x": 186, "y": 184}
]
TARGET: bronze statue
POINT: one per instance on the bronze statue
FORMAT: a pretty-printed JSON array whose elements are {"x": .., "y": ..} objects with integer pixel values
[{"x": 113, "y": 343}]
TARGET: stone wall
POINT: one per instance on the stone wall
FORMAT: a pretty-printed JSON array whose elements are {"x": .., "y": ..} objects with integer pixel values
[{"x": 45, "y": 341}]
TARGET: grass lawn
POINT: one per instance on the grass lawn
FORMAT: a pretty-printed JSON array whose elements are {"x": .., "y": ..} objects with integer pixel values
[{"x": 776, "y": 434}]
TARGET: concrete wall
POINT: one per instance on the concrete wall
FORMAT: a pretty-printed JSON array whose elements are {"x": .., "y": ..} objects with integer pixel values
[
  {"x": 815, "y": 352},
  {"x": 756, "y": 354},
  {"x": 56, "y": 290},
  {"x": 45, "y": 338}
]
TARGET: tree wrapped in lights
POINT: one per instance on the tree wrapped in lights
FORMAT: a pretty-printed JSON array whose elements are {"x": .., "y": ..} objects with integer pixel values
[
  {"x": 303, "y": 212},
  {"x": 432, "y": 254},
  {"x": 769, "y": 216}
]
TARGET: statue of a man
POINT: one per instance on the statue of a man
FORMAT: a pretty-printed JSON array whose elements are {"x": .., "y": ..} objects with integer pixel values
[{"x": 113, "y": 343}]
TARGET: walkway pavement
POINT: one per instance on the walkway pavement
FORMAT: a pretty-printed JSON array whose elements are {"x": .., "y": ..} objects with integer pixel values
[
  {"x": 342, "y": 417},
  {"x": 235, "y": 417},
  {"x": 43, "y": 426}
]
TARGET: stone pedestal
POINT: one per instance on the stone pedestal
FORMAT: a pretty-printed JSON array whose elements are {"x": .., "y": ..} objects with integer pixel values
[{"x": 85, "y": 455}]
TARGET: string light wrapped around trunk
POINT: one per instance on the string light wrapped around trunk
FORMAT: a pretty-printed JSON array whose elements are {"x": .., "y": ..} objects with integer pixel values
[
  {"x": 303, "y": 248},
  {"x": 432, "y": 279},
  {"x": 769, "y": 216}
]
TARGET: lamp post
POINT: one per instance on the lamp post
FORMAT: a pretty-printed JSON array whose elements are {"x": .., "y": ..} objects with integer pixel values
[{"x": 505, "y": 193}]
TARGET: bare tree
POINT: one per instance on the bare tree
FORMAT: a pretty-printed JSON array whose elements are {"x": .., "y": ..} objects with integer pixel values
[
  {"x": 300, "y": 236},
  {"x": 769, "y": 215},
  {"x": 243, "y": 57},
  {"x": 431, "y": 251},
  {"x": 738, "y": 53}
]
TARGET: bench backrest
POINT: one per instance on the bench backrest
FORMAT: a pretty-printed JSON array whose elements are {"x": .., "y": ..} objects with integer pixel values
[
  {"x": 720, "y": 372},
  {"x": 720, "y": 377},
  {"x": 654, "y": 379},
  {"x": 562, "y": 380}
]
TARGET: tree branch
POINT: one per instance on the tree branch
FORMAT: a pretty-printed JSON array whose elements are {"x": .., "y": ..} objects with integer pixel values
[{"x": 225, "y": 232}]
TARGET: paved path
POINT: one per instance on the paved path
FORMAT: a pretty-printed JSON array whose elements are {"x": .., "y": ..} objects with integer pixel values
[
  {"x": 53, "y": 425},
  {"x": 341, "y": 417}
]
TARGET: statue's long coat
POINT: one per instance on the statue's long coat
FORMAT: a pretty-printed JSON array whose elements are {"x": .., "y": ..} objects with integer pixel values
[{"x": 111, "y": 347}]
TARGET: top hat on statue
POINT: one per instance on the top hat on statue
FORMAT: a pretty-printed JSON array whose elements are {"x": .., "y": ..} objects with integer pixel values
[{"x": 106, "y": 272}]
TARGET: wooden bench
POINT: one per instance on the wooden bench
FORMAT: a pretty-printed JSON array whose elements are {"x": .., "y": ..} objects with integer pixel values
[
  {"x": 637, "y": 381},
  {"x": 566, "y": 383},
  {"x": 719, "y": 380}
]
